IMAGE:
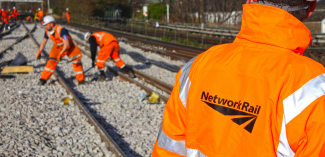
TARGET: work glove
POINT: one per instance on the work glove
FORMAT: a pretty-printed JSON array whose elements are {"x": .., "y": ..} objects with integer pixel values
[
  {"x": 93, "y": 64},
  {"x": 38, "y": 55}
]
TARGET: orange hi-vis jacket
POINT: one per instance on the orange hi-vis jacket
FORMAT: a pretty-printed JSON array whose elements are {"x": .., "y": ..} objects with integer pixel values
[
  {"x": 255, "y": 97},
  {"x": 5, "y": 16},
  {"x": 57, "y": 39},
  {"x": 15, "y": 13},
  {"x": 73, "y": 51},
  {"x": 104, "y": 38},
  {"x": 40, "y": 15},
  {"x": 109, "y": 47}
]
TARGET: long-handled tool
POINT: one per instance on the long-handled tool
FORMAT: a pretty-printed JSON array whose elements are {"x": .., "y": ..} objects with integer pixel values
[{"x": 88, "y": 70}]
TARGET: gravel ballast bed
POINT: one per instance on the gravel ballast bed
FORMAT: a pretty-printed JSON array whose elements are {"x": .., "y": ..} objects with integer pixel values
[
  {"x": 33, "y": 120},
  {"x": 115, "y": 104}
]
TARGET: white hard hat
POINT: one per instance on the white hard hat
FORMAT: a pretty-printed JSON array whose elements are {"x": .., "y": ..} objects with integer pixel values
[
  {"x": 86, "y": 36},
  {"x": 14, "y": 7},
  {"x": 8, "y": 9},
  {"x": 39, "y": 8},
  {"x": 48, "y": 19},
  {"x": 67, "y": 8}
]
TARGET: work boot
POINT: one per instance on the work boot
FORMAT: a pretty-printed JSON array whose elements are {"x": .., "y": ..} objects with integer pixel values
[
  {"x": 102, "y": 76},
  {"x": 128, "y": 71},
  {"x": 41, "y": 82}
]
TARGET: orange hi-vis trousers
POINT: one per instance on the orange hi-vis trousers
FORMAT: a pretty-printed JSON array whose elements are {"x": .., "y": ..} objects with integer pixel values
[
  {"x": 73, "y": 52},
  {"x": 111, "y": 50}
]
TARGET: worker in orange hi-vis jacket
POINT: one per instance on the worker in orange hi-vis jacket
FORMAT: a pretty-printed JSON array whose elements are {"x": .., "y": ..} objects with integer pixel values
[
  {"x": 109, "y": 47},
  {"x": 40, "y": 14},
  {"x": 255, "y": 97},
  {"x": 5, "y": 16},
  {"x": 63, "y": 46},
  {"x": 67, "y": 14},
  {"x": 15, "y": 13}
]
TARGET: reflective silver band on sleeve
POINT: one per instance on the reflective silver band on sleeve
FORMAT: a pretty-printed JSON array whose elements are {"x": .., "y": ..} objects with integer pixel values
[
  {"x": 294, "y": 105},
  {"x": 178, "y": 147},
  {"x": 171, "y": 145},
  {"x": 47, "y": 69},
  {"x": 185, "y": 82}
]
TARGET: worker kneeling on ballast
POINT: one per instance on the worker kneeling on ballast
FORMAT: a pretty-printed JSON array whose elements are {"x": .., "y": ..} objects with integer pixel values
[
  {"x": 63, "y": 46},
  {"x": 109, "y": 47}
]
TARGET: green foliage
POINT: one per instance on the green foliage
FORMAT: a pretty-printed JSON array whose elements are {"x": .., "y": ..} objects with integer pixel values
[
  {"x": 180, "y": 40},
  {"x": 187, "y": 42},
  {"x": 195, "y": 44},
  {"x": 56, "y": 11},
  {"x": 167, "y": 39},
  {"x": 156, "y": 10}
]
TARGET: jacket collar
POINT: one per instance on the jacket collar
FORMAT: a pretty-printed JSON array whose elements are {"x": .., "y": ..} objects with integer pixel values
[{"x": 273, "y": 26}]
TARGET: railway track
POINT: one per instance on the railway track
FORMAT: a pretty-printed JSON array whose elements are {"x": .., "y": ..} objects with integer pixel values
[
  {"x": 155, "y": 82},
  {"x": 16, "y": 41},
  {"x": 83, "y": 100},
  {"x": 12, "y": 27},
  {"x": 172, "y": 49},
  {"x": 91, "y": 119}
]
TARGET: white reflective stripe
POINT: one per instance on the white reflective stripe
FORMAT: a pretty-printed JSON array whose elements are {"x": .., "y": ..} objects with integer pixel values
[
  {"x": 184, "y": 81},
  {"x": 171, "y": 145},
  {"x": 60, "y": 44},
  {"x": 117, "y": 59},
  {"x": 101, "y": 61},
  {"x": 299, "y": 100},
  {"x": 48, "y": 69},
  {"x": 59, "y": 32},
  {"x": 184, "y": 91},
  {"x": 294, "y": 105},
  {"x": 178, "y": 147},
  {"x": 100, "y": 37},
  {"x": 284, "y": 149},
  {"x": 194, "y": 153},
  {"x": 80, "y": 72}
]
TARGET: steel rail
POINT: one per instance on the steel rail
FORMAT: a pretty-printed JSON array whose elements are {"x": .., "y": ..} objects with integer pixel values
[
  {"x": 12, "y": 27},
  {"x": 155, "y": 82},
  {"x": 168, "y": 45},
  {"x": 91, "y": 119},
  {"x": 17, "y": 40}
]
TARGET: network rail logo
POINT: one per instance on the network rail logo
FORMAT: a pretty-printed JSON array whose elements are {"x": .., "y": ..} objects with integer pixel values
[{"x": 243, "y": 111}]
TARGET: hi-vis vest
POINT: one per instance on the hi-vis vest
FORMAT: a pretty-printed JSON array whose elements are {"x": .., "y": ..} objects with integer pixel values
[
  {"x": 57, "y": 39},
  {"x": 104, "y": 38},
  {"x": 255, "y": 97}
]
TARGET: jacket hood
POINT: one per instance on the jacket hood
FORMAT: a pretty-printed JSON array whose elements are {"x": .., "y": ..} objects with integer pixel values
[{"x": 273, "y": 26}]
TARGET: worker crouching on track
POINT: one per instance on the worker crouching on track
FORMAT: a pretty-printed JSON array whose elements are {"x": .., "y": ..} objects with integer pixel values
[
  {"x": 255, "y": 97},
  {"x": 63, "y": 45},
  {"x": 109, "y": 47}
]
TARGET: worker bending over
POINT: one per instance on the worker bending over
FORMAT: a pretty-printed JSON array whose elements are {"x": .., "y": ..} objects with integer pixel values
[
  {"x": 255, "y": 97},
  {"x": 63, "y": 46},
  {"x": 68, "y": 15},
  {"x": 109, "y": 47}
]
